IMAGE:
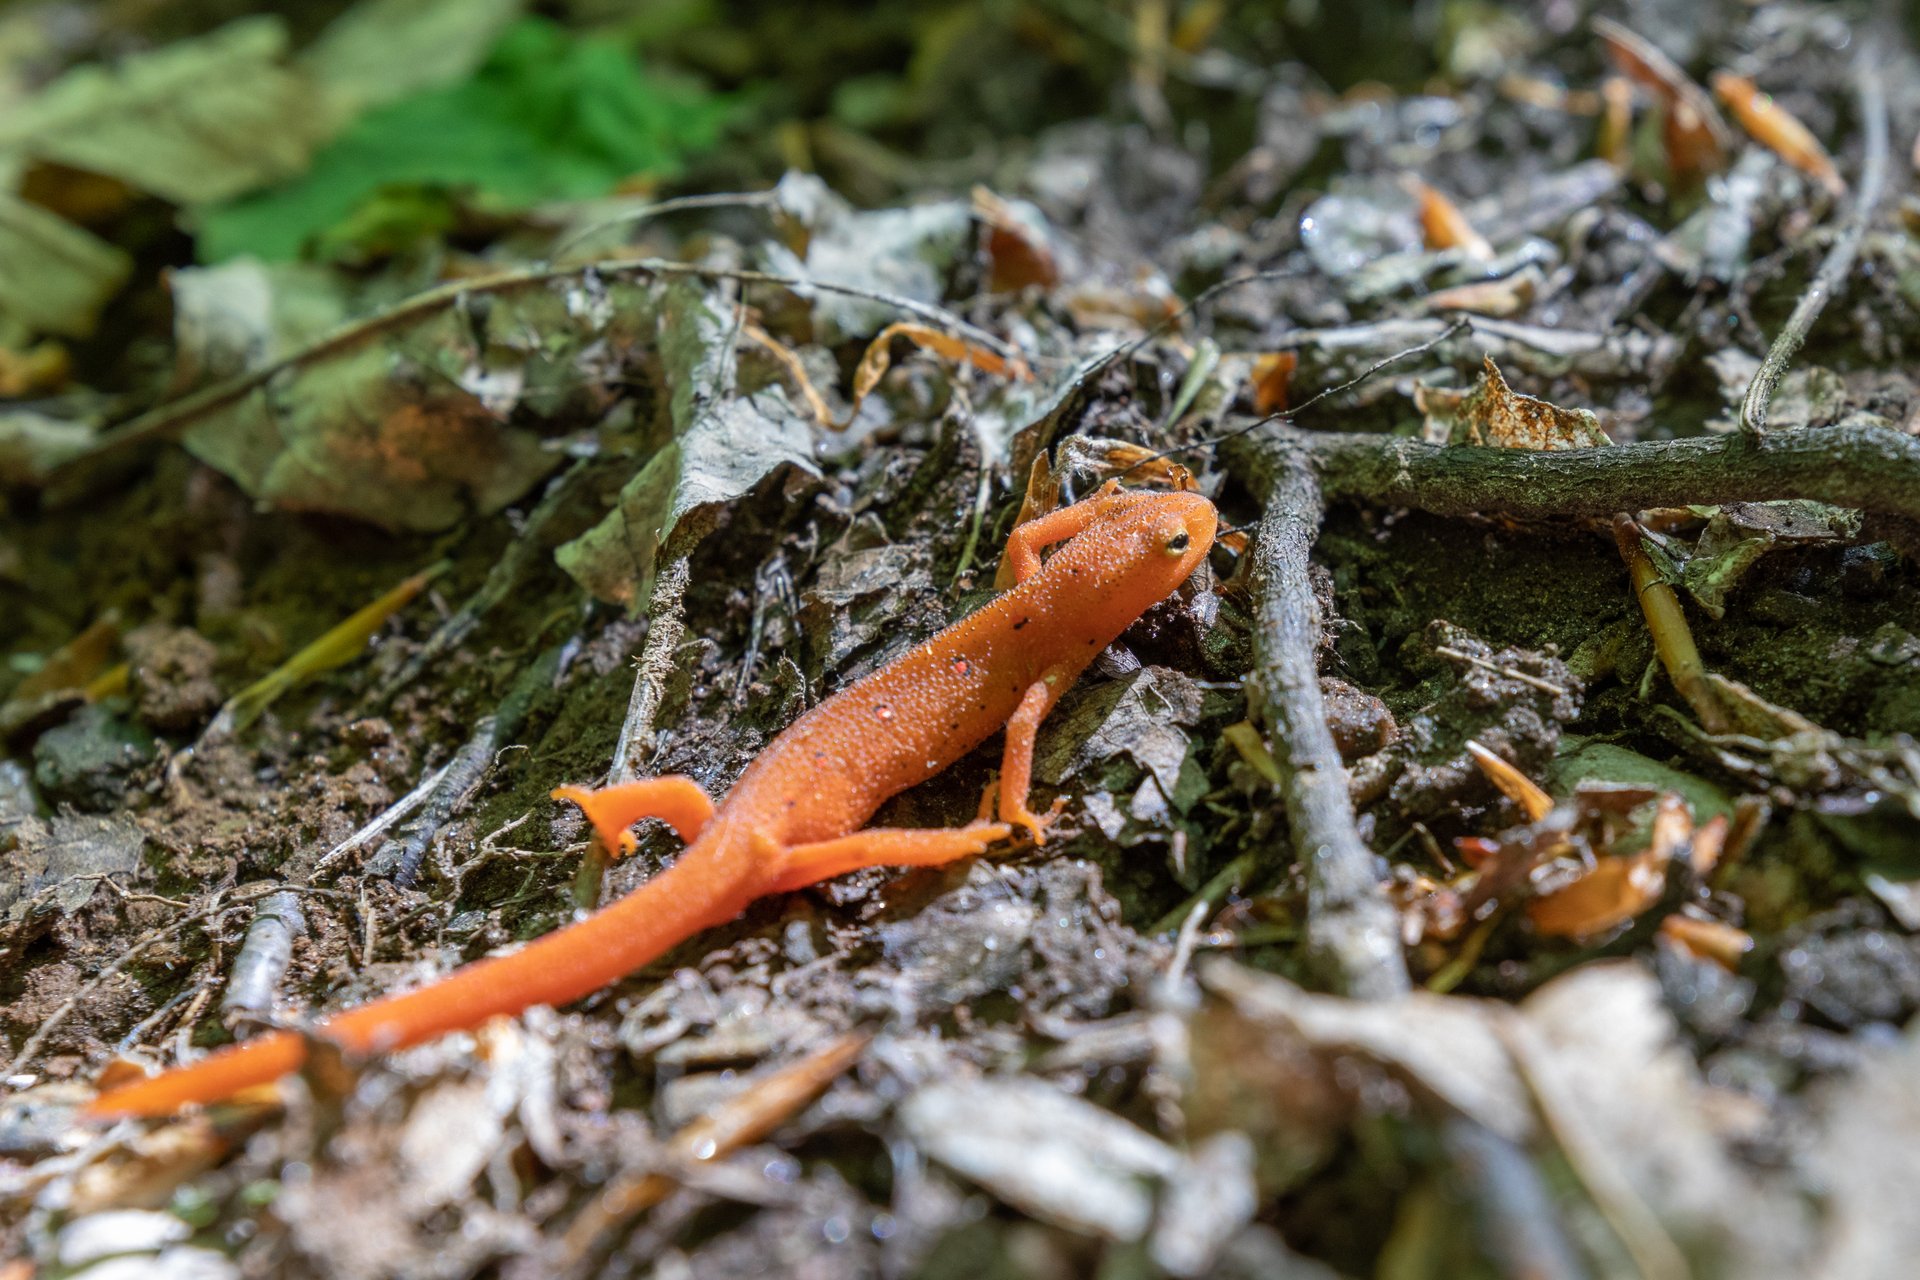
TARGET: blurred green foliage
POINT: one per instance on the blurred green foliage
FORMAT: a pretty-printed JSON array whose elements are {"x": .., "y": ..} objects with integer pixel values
[{"x": 549, "y": 116}]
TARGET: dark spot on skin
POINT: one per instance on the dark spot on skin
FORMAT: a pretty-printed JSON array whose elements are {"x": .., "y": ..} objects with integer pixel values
[
  {"x": 819, "y": 755},
  {"x": 792, "y": 803},
  {"x": 1023, "y": 622}
]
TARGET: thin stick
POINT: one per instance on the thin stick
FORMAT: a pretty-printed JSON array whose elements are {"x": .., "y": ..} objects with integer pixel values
[
  {"x": 1352, "y": 930},
  {"x": 398, "y": 810},
  {"x": 762, "y": 1108},
  {"x": 1839, "y": 260},
  {"x": 162, "y": 422}
]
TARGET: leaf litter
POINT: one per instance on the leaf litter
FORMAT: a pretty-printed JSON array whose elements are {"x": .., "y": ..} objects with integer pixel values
[{"x": 1638, "y": 792}]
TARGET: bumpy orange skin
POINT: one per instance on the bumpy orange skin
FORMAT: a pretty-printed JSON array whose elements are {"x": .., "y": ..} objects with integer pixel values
[{"x": 795, "y": 816}]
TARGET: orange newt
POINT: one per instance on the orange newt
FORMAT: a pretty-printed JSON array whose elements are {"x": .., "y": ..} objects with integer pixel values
[{"x": 795, "y": 816}]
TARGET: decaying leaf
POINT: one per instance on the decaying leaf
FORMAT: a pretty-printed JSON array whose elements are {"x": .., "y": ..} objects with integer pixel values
[
  {"x": 1775, "y": 127},
  {"x": 1740, "y": 533},
  {"x": 1591, "y": 1062},
  {"x": 33, "y": 445},
  {"x": 724, "y": 445},
  {"x": 1079, "y": 1166},
  {"x": 54, "y": 277},
  {"x": 1617, "y": 889},
  {"x": 899, "y": 252},
  {"x": 408, "y": 420},
  {"x": 197, "y": 121},
  {"x": 1495, "y": 414}
]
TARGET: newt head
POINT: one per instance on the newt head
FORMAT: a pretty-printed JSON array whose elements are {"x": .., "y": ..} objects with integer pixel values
[{"x": 1133, "y": 558}]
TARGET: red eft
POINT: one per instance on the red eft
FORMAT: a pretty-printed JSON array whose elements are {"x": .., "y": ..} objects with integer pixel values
[{"x": 796, "y": 813}]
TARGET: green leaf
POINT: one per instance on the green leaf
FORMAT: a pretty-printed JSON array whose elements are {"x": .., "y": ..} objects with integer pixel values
[
  {"x": 550, "y": 116},
  {"x": 202, "y": 120}
]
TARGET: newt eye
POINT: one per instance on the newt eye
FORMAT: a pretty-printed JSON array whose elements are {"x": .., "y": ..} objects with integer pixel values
[{"x": 1178, "y": 543}]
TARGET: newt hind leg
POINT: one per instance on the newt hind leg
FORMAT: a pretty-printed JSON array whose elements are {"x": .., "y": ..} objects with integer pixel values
[
  {"x": 675, "y": 799},
  {"x": 807, "y": 864}
]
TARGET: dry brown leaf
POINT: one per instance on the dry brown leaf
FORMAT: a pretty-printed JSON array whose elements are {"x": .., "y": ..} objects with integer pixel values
[
  {"x": 1443, "y": 226},
  {"x": 1495, "y": 414},
  {"x": 1018, "y": 255},
  {"x": 1778, "y": 130},
  {"x": 1711, "y": 940},
  {"x": 1508, "y": 296},
  {"x": 879, "y": 358},
  {"x": 1272, "y": 381},
  {"x": 1617, "y": 889}
]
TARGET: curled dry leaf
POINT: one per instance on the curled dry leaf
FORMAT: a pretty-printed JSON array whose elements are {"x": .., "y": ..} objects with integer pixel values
[
  {"x": 1495, "y": 414},
  {"x": 1698, "y": 140},
  {"x": 1775, "y": 128},
  {"x": 1617, "y": 889},
  {"x": 1443, "y": 226},
  {"x": 1515, "y": 785},
  {"x": 879, "y": 358}
]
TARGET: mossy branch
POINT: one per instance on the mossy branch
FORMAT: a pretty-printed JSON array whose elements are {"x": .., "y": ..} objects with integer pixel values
[{"x": 1875, "y": 469}]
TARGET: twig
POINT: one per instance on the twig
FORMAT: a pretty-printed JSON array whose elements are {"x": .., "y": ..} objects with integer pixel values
[
  {"x": 1352, "y": 931},
  {"x": 264, "y": 956},
  {"x": 398, "y": 810},
  {"x": 162, "y": 422},
  {"x": 666, "y": 626},
  {"x": 401, "y": 856},
  {"x": 1461, "y": 655},
  {"x": 1872, "y": 468},
  {"x": 763, "y": 1107},
  {"x": 1839, "y": 260}
]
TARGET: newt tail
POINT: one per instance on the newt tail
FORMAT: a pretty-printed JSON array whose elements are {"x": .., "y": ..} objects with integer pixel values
[{"x": 796, "y": 815}]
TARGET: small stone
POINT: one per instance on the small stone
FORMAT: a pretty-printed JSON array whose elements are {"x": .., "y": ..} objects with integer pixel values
[{"x": 88, "y": 761}]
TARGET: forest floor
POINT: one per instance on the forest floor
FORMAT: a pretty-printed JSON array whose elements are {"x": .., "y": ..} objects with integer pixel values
[{"x": 1501, "y": 859}]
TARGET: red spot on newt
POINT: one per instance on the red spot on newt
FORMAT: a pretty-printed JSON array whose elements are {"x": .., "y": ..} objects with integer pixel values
[{"x": 764, "y": 840}]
